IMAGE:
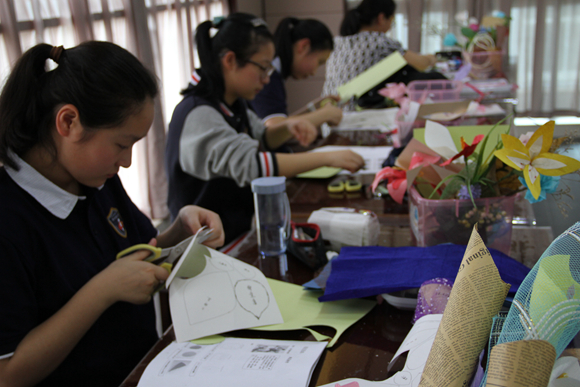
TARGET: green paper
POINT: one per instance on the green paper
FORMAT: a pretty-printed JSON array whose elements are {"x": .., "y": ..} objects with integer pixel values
[
  {"x": 370, "y": 77},
  {"x": 320, "y": 173},
  {"x": 209, "y": 340},
  {"x": 553, "y": 286},
  {"x": 468, "y": 133},
  {"x": 301, "y": 309}
]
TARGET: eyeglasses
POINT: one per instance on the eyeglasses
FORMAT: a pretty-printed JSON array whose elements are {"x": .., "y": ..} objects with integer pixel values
[{"x": 266, "y": 71}]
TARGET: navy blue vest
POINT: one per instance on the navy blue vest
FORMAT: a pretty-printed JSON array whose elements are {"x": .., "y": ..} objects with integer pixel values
[{"x": 222, "y": 195}]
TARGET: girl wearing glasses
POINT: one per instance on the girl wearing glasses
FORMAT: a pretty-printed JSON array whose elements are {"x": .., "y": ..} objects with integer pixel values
[
  {"x": 216, "y": 146},
  {"x": 302, "y": 45}
]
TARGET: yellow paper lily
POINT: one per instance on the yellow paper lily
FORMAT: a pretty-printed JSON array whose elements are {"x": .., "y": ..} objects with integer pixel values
[{"x": 534, "y": 158}]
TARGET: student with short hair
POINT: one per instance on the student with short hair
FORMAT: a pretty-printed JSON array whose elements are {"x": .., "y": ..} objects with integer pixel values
[
  {"x": 70, "y": 313},
  {"x": 215, "y": 145},
  {"x": 363, "y": 43},
  {"x": 302, "y": 46}
]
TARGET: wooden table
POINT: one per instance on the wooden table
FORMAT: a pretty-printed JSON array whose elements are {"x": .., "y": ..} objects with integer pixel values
[{"x": 365, "y": 349}]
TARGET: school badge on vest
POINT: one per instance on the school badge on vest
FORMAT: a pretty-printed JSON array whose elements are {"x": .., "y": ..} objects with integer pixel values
[{"x": 116, "y": 221}]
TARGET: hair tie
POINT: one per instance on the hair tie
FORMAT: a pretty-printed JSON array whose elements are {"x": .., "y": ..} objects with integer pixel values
[
  {"x": 258, "y": 22},
  {"x": 56, "y": 53},
  {"x": 217, "y": 21}
]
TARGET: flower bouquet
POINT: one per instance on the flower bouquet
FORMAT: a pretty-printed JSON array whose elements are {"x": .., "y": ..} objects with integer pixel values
[
  {"x": 453, "y": 185},
  {"x": 482, "y": 43}
]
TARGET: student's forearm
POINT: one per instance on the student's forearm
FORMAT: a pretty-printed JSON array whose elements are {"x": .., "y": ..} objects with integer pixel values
[
  {"x": 418, "y": 61},
  {"x": 292, "y": 164},
  {"x": 47, "y": 345},
  {"x": 277, "y": 133},
  {"x": 317, "y": 117}
]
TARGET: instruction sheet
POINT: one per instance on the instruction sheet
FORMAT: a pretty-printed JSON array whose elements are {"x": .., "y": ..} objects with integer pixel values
[{"x": 234, "y": 362}]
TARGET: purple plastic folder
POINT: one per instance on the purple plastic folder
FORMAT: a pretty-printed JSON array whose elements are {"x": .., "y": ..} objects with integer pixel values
[{"x": 371, "y": 270}]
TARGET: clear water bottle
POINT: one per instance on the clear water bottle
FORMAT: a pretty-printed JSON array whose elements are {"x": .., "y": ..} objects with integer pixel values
[{"x": 272, "y": 215}]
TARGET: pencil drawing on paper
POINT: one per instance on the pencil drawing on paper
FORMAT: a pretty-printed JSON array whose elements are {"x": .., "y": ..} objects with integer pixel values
[{"x": 220, "y": 288}]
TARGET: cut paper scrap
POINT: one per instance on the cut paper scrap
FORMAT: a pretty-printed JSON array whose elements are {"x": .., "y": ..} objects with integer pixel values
[
  {"x": 300, "y": 309},
  {"x": 417, "y": 343},
  {"x": 319, "y": 173}
]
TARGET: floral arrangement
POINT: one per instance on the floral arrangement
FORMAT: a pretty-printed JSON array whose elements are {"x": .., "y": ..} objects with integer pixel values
[
  {"x": 491, "y": 165},
  {"x": 483, "y": 171},
  {"x": 484, "y": 36}
]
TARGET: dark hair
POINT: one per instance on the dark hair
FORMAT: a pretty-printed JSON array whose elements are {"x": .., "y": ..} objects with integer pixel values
[
  {"x": 106, "y": 83},
  {"x": 364, "y": 15},
  {"x": 241, "y": 33},
  {"x": 291, "y": 30}
]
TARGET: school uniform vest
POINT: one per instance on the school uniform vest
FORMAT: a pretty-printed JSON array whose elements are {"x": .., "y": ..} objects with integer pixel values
[{"x": 222, "y": 195}]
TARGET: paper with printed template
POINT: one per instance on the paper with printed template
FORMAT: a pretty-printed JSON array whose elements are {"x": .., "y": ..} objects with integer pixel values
[{"x": 212, "y": 293}]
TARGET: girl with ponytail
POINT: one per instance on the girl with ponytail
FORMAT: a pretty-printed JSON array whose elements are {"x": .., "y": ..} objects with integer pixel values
[
  {"x": 215, "y": 145},
  {"x": 71, "y": 314},
  {"x": 302, "y": 45},
  {"x": 363, "y": 43}
]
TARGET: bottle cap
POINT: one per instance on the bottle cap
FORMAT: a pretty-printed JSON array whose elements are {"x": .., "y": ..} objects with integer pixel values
[{"x": 269, "y": 185}]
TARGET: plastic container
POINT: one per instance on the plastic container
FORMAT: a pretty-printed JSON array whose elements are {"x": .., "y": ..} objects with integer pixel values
[
  {"x": 272, "y": 215},
  {"x": 451, "y": 221},
  {"x": 484, "y": 64},
  {"x": 438, "y": 90}
]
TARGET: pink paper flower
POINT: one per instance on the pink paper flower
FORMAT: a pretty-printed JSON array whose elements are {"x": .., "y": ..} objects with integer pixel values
[{"x": 397, "y": 177}]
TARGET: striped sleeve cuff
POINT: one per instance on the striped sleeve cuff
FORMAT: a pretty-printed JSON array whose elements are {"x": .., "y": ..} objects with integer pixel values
[{"x": 267, "y": 164}]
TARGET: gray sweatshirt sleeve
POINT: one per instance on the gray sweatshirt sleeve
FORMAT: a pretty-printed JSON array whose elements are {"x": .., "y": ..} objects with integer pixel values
[
  {"x": 257, "y": 127},
  {"x": 210, "y": 148}
]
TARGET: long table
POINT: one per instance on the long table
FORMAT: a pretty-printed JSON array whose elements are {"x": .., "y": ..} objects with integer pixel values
[{"x": 365, "y": 349}]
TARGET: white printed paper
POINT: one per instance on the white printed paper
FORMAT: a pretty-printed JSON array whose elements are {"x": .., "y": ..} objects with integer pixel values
[
  {"x": 234, "y": 362},
  {"x": 382, "y": 119},
  {"x": 374, "y": 156},
  {"x": 213, "y": 293}
]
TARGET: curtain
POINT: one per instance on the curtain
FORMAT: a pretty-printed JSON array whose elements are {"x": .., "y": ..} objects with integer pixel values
[
  {"x": 158, "y": 32},
  {"x": 543, "y": 54}
]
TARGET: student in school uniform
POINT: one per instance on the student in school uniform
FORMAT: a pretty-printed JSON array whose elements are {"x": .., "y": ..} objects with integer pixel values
[
  {"x": 302, "y": 45},
  {"x": 215, "y": 145},
  {"x": 70, "y": 313}
]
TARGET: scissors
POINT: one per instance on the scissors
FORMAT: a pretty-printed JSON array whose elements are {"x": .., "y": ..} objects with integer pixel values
[{"x": 169, "y": 256}]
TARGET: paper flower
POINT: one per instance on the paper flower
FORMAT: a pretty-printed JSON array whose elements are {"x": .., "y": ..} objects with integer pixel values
[
  {"x": 396, "y": 182},
  {"x": 466, "y": 149},
  {"x": 524, "y": 138},
  {"x": 397, "y": 177},
  {"x": 549, "y": 185},
  {"x": 534, "y": 158}
]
